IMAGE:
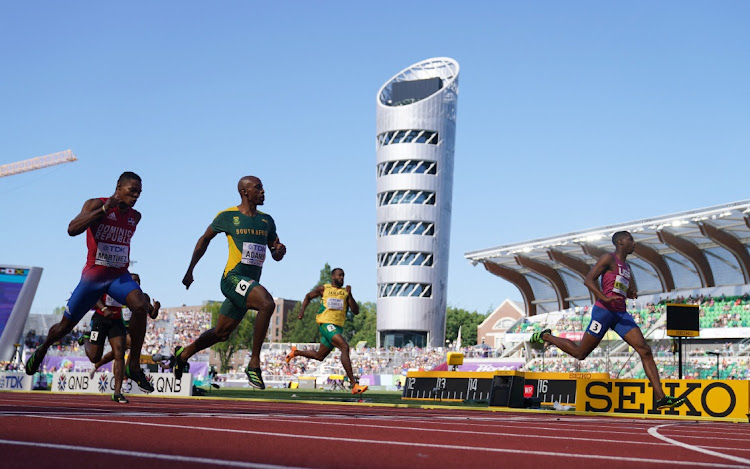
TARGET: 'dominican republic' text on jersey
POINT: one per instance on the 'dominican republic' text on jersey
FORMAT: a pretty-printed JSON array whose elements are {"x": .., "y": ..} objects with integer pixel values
[
  {"x": 248, "y": 238},
  {"x": 616, "y": 283},
  {"x": 333, "y": 306},
  {"x": 108, "y": 240}
]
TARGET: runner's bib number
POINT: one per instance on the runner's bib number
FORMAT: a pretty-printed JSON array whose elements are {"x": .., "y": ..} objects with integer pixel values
[
  {"x": 109, "y": 301},
  {"x": 253, "y": 254},
  {"x": 621, "y": 285},
  {"x": 335, "y": 303},
  {"x": 112, "y": 255}
]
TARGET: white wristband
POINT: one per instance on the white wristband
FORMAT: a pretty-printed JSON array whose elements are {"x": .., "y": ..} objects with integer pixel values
[{"x": 104, "y": 210}]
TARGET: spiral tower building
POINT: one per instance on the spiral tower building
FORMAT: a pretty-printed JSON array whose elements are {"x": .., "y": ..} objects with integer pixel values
[{"x": 416, "y": 133}]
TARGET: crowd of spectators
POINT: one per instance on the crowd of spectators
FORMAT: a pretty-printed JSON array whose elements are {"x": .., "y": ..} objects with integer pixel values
[
  {"x": 162, "y": 334},
  {"x": 697, "y": 362},
  {"x": 32, "y": 340},
  {"x": 364, "y": 362},
  {"x": 184, "y": 326},
  {"x": 10, "y": 366},
  {"x": 188, "y": 325},
  {"x": 719, "y": 312}
]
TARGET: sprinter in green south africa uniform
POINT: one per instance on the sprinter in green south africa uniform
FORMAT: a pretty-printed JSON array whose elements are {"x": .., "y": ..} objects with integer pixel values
[{"x": 248, "y": 232}]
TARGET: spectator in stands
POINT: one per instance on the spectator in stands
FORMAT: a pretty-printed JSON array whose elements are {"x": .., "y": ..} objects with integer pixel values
[{"x": 610, "y": 312}]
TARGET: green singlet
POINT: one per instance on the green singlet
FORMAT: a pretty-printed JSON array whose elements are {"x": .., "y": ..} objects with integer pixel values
[{"x": 248, "y": 238}]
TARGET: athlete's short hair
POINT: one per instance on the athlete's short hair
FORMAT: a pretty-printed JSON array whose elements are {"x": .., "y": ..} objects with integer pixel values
[
  {"x": 620, "y": 235},
  {"x": 128, "y": 176},
  {"x": 242, "y": 180},
  {"x": 335, "y": 269}
]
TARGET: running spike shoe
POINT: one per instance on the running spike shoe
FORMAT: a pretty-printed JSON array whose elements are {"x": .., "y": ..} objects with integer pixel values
[
  {"x": 32, "y": 364},
  {"x": 357, "y": 389},
  {"x": 255, "y": 378},
  {"x": 81, "y": 340},
  {"x": 536, "y": 337},
  {"x": 179, "y": 364},
  {"x": 669, "y": 402},
  {"x": 139, "y": 377},
  {"x": 290, "y": 355}
]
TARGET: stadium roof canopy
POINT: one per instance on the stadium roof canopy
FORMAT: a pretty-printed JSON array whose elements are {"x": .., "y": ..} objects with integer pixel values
[{"x": 689, "y": 250}]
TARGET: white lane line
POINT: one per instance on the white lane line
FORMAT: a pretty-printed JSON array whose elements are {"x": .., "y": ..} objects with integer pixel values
[
  {"x": 306, "y": 419},
  {"x": 654, "y": 431},
  {"x": 341, "y": 440},
  {"x": 484, "y": 432},
  {"x": 331, "y": 419},
  {"x": 141, "y": 454}
]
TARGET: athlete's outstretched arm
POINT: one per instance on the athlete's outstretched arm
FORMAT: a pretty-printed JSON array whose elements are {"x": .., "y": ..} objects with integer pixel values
[
  {"x": 633, "y": 288},
  {"x": 153, "y": 309},
  {"x": 591, "y": 282},
  {"x": 353, "y": 306},
  {"x": 318, "y": 291},
  {"x": 93, "y": 210},
  {"x": 278, "y": 250},
  {"x": 103, "y": 308},
  {"x": 200, "y": 249}
]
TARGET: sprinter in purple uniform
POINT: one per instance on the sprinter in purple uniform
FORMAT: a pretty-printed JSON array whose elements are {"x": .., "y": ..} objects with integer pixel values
[{"x": 610, "y": 312}]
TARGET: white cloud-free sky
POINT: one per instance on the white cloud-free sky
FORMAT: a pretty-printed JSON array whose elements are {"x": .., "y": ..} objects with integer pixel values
[{"x": 571, "y": 115}]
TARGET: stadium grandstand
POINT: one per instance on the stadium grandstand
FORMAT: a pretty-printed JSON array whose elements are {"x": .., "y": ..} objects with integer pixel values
[
  {"x": 696, "y": 257},
  {"x": 183, "y": 324}
]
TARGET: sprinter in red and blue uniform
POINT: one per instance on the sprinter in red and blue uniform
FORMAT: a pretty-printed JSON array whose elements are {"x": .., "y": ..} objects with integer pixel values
[{"x": 109, "y": 224}]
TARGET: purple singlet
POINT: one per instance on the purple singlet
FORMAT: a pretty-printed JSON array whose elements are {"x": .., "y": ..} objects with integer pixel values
[{"x": 616, "y": 283}]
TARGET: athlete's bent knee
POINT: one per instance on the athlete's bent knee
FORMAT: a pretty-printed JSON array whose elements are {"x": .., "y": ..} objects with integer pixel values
[
  {"x": 222, "y": 335},
  {"x": 268, "y": 306},
  {"x": 262, "y": 301},
  {"x": 644, "y": 350}
]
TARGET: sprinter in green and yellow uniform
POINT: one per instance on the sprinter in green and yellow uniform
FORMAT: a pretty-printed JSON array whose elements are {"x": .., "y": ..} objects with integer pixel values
[
  {"x": 336, "y": 299},
  {"x": 248, "y": 232}
]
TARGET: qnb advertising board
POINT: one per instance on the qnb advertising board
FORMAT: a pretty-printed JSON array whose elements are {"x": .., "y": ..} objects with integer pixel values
[
  {"x": 78, "y": 382},
  {"x": 17, "y": 290}
]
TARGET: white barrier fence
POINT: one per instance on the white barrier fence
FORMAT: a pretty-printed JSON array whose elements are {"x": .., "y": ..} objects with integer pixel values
[
  {"x": 13, "y": 381},
  {"x": 164, "y": 384}
]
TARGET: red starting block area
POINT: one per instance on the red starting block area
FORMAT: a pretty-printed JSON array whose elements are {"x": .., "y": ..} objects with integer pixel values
[{"x": 60, "y": 430}]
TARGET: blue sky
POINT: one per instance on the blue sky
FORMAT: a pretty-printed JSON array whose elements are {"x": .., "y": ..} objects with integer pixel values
[{"x": 571, "y": 115}]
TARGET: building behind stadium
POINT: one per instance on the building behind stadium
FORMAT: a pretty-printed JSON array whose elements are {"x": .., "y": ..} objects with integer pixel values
[{"x": 415, "y": 130}]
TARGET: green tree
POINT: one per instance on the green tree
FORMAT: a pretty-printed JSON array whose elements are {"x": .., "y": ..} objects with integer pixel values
[
  {"x": 362, "y": 326},
  {"x": 59, "y": 311},
  {"x": 240, "y": 339},
  {"x": 306, "y": 330},
  {"x": 467, "y": 321}
]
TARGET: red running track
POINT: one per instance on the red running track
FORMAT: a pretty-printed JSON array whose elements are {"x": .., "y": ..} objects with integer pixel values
[{"x": 55, "y": 430}]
